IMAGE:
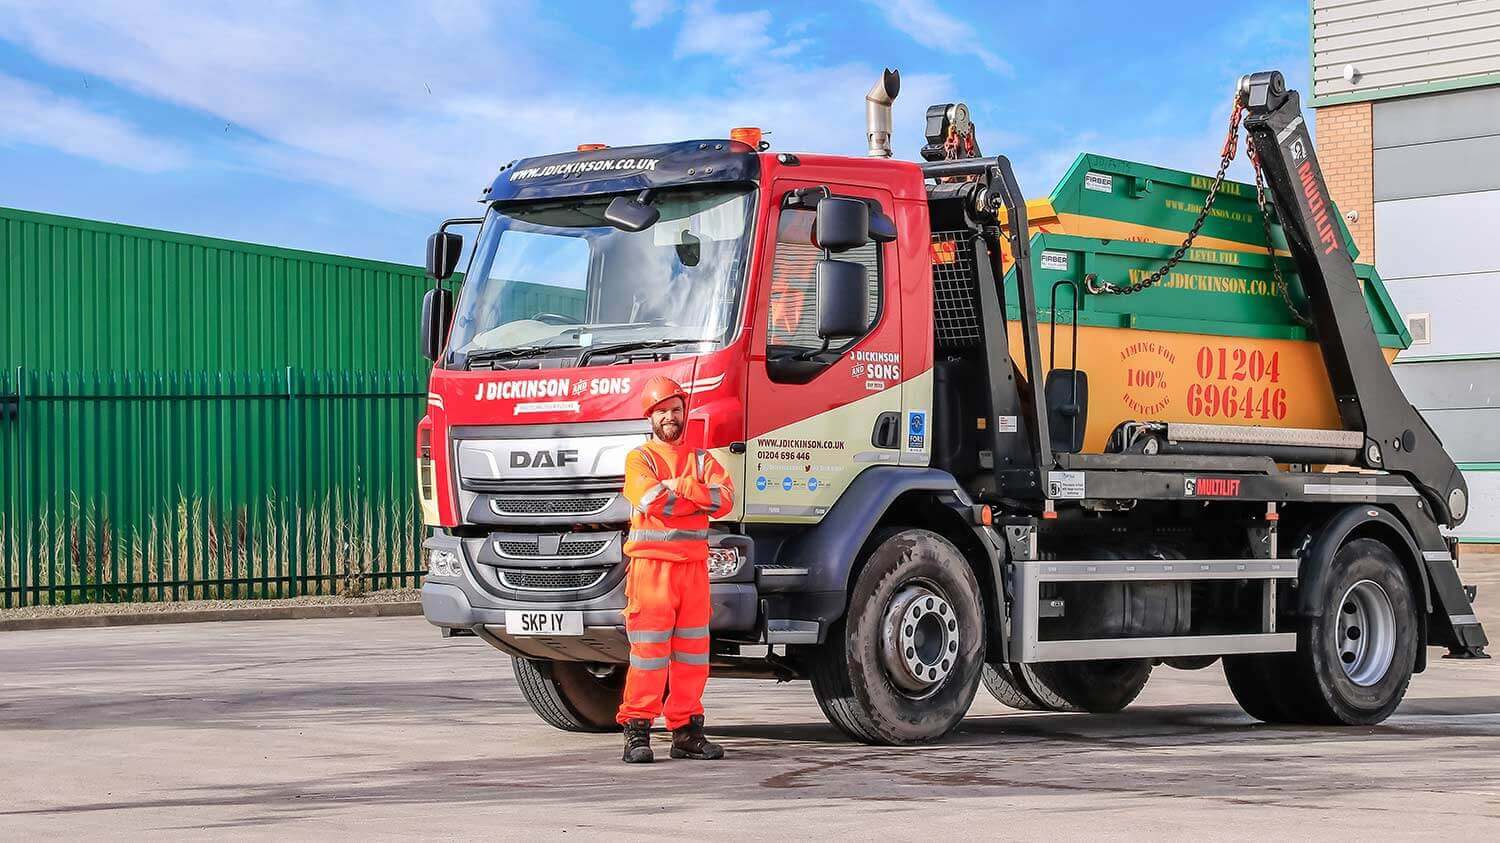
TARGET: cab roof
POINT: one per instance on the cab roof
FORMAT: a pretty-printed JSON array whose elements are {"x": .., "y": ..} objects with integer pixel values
[{"x": 624, "y": 169}]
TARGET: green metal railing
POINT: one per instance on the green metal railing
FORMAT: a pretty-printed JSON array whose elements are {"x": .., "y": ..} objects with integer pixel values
[
  {"x": 185, "y": 417},
  {"x": 189, "y": 485}
]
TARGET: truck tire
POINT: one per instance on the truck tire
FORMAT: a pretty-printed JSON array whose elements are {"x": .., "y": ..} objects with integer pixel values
[
  {"x": 1255, "y": 681},
  {"x": 1354, "y": 660},
  {"x": 904, "y": 663},
  {"x": 1018, "y": 686},
  {"x": 1104, "y": 686},
  {"x": 567, "y": 695}
]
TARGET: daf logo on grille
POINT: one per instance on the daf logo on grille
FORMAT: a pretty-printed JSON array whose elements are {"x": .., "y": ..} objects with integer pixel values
[{"x": 543, "y": 459}]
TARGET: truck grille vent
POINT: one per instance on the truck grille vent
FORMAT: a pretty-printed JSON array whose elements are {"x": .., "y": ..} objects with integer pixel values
[
  {"x": 553, "y": 505},
  {"x": 514, "y": 548},
  {"x": 955, "y": 309},
  {"x": 552, "y": 580}
]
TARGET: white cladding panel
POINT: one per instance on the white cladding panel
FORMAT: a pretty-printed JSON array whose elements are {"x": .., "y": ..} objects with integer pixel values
[
  {"x": 1484, "y": 507},
  {"x": 1395, "y": 43},
  {"x": 1435, "y": 236},
  {"x": 1461, "y": 313}
]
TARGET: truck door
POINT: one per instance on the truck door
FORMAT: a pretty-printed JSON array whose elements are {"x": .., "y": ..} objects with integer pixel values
[{"x": 816, "y": 419}]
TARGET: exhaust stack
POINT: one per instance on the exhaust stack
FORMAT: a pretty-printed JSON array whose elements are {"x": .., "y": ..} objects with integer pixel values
[{"x": 878, "y": 113}]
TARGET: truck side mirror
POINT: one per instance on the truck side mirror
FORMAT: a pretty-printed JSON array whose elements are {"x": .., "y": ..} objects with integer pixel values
[
  {"x": 841, "y": 298},
  {"x": 437, "y": 317},
  {"x": 842, "y": 224},
  {"x": 443, "y": 249}
]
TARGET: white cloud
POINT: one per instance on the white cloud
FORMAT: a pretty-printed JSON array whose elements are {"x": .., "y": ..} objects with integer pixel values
[
  {"x": 733, "y": 36},
  {"x": 648, "y": 13},
  {"x": 924, "y": 22},
  {"x": 39, "y": 117},
  {"x": 339, "y": 97}
]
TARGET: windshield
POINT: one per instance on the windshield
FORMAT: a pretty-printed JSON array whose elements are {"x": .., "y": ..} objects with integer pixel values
[{"x": 554, "y": 279}]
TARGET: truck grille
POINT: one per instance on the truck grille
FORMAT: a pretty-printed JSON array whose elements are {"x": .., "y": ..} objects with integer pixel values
[
  {"x": 551, "y": 504},
  {"x": 575, "y": 580},
  {"x": 955, "y": 310},
  {"x": 573, "y": 549}
]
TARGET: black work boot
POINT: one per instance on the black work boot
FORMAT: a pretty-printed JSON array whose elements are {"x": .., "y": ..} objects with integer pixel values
[
  {"x": 637, "y": 742},
  {"x": 688, "y": 742}
]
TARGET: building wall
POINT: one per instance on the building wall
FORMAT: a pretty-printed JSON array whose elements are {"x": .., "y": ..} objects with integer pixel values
[
  {"x": 1394, "y": 45},
  {"x": 1412, "y": 145},
  {"x": 1346, "y": 153}
]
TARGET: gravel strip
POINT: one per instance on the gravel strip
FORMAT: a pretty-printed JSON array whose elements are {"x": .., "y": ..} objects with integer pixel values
[{"x": 96, "y": 610}]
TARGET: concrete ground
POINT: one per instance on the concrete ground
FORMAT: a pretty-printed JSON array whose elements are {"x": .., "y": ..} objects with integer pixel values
[{"x": 375, "y": 727}]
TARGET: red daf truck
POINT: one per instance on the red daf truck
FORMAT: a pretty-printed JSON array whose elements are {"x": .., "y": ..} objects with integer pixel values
[{"x": 917, "y": 514}]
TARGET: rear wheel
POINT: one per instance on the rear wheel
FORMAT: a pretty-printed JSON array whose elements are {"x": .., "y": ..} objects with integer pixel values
[
  {"x": 573, "y": 696},
  {"x": 1018, "y": 686},
  {"x": 1354, "y": 659},
  {"x": 1098, "y": 687},
  {"x": 903, "y": 665}
]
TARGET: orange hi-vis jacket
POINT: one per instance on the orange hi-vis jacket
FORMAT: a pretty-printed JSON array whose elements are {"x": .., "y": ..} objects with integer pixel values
[{"x": 672, "y": 524}]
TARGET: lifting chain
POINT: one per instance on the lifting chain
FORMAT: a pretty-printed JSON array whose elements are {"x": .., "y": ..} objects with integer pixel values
[
  {"x": 1265, "y": 221},
  {"x": 1231, "y": 147}
]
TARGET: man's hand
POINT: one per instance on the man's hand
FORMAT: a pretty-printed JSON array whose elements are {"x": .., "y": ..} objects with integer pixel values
[{"x": 670, "y": 483}]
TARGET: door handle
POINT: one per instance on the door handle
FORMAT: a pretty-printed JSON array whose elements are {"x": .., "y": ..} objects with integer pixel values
[{"x": 887, "y": 431}]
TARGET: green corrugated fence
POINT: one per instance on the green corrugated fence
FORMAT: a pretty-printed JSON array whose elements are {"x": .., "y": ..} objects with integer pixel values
[{"x": 183, "y": 418}]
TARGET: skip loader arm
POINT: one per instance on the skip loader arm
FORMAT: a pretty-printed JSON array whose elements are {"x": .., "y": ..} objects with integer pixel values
[{"x": 1369, "y": 400}]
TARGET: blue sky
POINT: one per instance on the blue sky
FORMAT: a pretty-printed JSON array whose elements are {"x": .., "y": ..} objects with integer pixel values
[{"x": 355, "y": 127}]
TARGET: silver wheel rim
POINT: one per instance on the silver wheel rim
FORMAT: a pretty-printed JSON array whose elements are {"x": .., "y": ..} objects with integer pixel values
[
  {"x": 1366, "y": 633},
  {"x": 919, "y": 638}
]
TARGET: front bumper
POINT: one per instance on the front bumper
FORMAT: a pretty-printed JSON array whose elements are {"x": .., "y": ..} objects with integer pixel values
[{"x": 464, "y": 603}]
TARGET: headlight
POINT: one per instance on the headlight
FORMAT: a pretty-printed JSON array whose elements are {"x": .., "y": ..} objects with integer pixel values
[
  {"x": 443, "y": 563},
  {"x": 723, "y": 562}
]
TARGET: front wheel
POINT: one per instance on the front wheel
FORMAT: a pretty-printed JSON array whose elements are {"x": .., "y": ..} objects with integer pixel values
[
  {"x": 903, "y": 665},
  {"x": 573, "y": 696}
]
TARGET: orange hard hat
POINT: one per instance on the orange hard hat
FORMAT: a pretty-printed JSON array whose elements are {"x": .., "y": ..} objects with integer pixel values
[{"x": 659, "y": 389}]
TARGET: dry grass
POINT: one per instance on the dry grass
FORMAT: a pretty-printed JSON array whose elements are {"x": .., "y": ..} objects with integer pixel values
[{"x": 192, "y": 549}]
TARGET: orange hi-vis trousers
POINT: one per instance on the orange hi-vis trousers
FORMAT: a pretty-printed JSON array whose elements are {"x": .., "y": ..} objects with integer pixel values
[{"x": 666, "y": 617}]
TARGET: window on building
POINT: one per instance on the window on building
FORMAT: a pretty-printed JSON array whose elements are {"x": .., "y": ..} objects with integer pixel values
[{"x": 793, "y": 315}]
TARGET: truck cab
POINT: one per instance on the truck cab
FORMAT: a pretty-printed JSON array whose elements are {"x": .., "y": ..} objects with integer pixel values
[{"x": 533, "y": 408}]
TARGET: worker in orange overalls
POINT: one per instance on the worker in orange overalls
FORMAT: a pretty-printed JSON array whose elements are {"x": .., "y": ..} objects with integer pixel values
[{"x": 674, "y": 490}]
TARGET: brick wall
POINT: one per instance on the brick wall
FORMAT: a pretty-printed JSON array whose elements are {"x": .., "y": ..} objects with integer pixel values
[{"x": 1346, "y": 151}]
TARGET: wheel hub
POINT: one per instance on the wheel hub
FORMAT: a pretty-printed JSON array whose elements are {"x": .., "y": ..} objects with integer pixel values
[
  {"x": 1366, "y": 632},
  {"x": 920, "y": 638}
]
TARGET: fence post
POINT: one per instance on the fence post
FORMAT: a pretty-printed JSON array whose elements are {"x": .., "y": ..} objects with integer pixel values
[
  {"x": 20, "y": 542},
  {"x": 293, "y": 503}
]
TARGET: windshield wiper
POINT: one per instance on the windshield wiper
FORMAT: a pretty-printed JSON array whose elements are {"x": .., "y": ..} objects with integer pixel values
[
  {"x": 516, "y": 353},
  {"x": 638, "y": 345}
]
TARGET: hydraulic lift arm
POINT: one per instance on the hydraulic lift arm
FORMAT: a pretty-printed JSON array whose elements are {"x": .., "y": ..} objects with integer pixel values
[{"x": 1397, "y": 439}]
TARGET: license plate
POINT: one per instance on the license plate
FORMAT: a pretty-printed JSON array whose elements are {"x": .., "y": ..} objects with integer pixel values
[{"x": 544, "y": 623}]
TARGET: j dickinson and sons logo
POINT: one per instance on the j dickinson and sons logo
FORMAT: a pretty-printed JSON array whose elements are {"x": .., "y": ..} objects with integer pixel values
[{"x": 551, "y": 388}]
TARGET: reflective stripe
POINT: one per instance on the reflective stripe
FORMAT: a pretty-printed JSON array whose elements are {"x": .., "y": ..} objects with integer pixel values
[
  {"x": 701, "y": 456},
  {"x": 671, "y": 503},
  {"x": 648, "y": 664},
  {"x": 666, "y": 535},
  {"x": 650, "y": 459},
  {"x": 650, "y": 496},
  {"x": 690, "y": 632},
  {"x": 715, "y": 495},
  {"x": 689, "y": 658},
  {"x": 649, "y": 636}
]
